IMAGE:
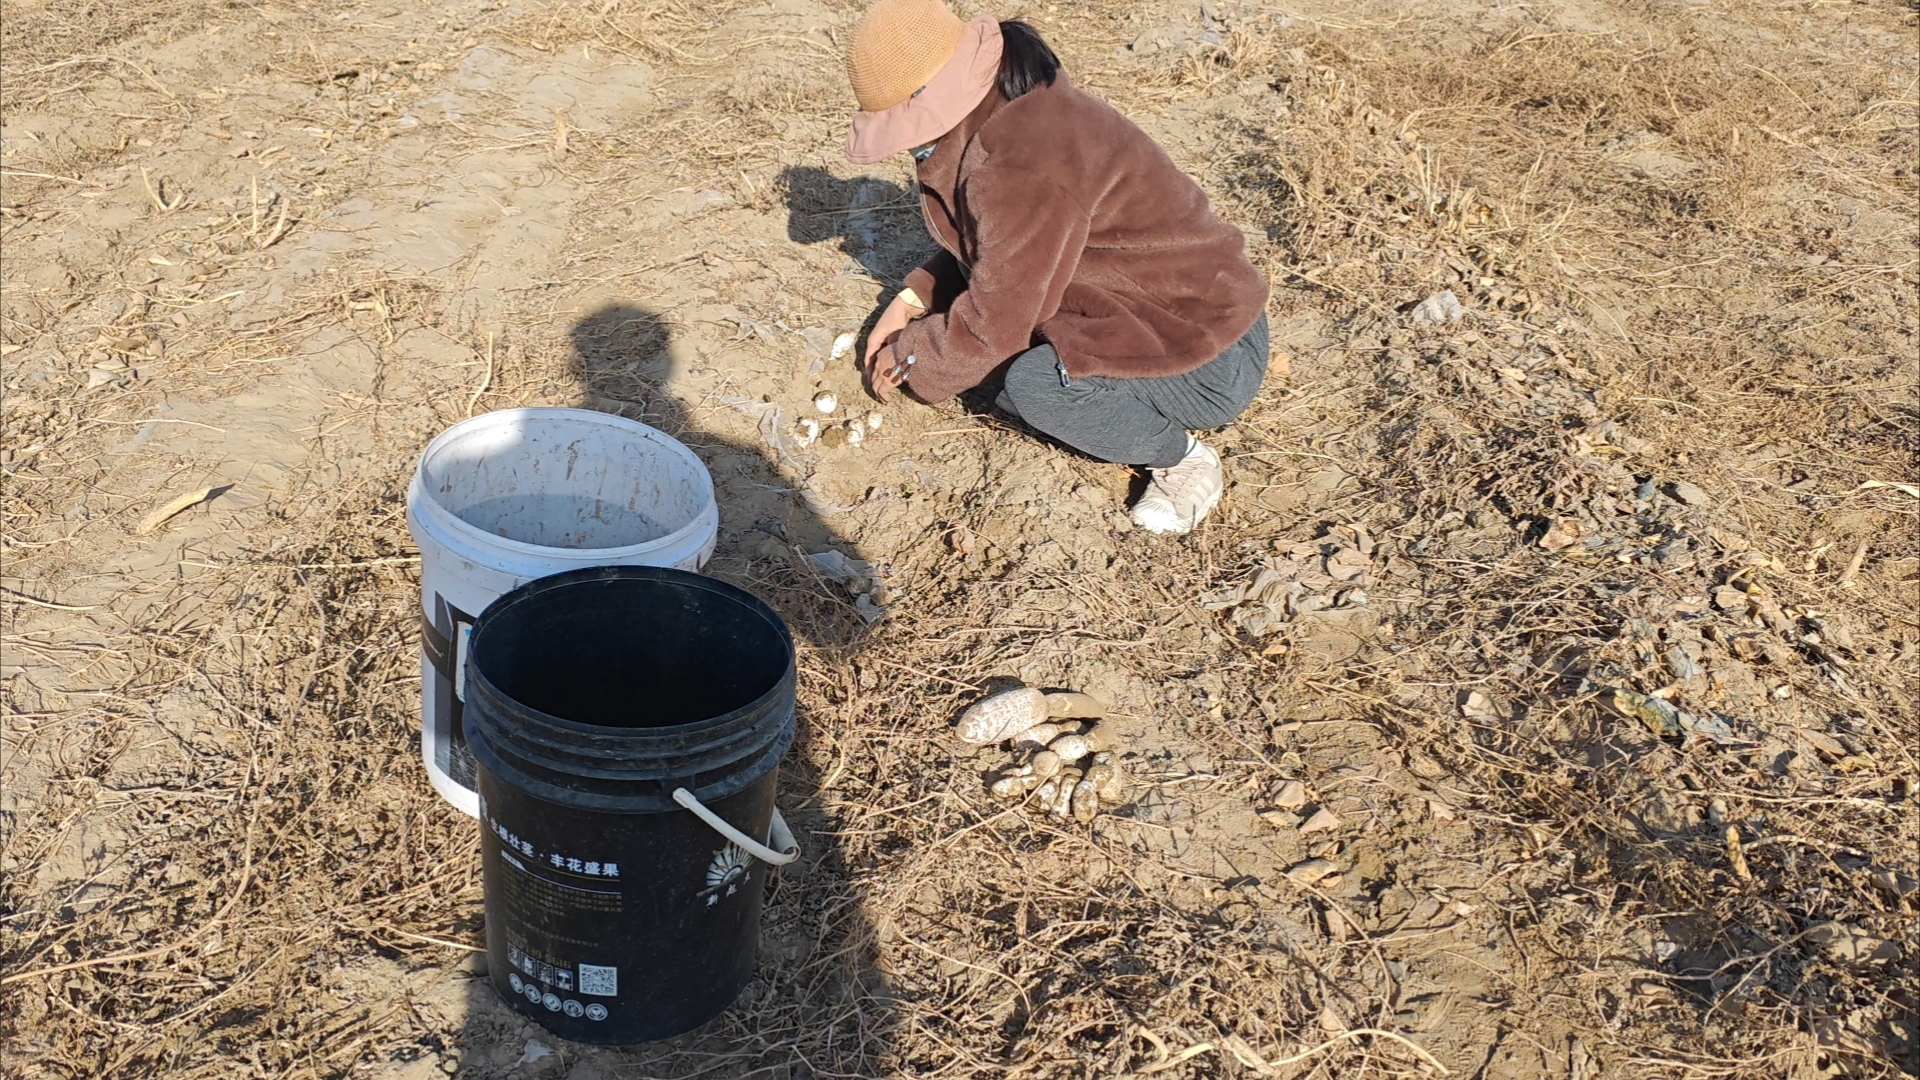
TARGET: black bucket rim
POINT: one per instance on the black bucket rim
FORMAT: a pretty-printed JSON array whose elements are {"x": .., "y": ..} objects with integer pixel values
[
  {"x": 476, "y": 678},
  {"x": 628, "y": 769}
]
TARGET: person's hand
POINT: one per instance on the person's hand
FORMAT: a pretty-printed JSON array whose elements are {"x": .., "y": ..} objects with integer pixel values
[
  {"x": 893, "y": 320},
  {"x": 885, "y": 370}
]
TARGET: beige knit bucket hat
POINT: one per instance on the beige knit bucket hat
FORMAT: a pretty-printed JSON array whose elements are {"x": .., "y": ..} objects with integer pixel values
[
  {"x": 898, "y": 47},
  {"x": 917, "y": 71}
]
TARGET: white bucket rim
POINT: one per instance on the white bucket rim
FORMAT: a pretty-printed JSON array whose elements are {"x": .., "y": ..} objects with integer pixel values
[{"x": 445, "y": 518}]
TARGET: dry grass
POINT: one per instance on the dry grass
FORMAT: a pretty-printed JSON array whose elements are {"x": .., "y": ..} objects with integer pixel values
[{"x": 1719, "y": 311}]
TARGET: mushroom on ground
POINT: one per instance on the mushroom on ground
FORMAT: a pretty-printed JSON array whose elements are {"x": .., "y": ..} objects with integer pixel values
[{"x": 1005, "y": 715}]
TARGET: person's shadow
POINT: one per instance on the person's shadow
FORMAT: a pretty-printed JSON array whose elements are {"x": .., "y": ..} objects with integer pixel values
[
  {"x": 876, "y": 222},
  {"x": 816, "y": 1002},
  {"x": 878, "y": 225}
]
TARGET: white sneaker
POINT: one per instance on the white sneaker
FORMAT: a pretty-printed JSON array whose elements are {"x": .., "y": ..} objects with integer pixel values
[{"x": 1179, "y": 496}]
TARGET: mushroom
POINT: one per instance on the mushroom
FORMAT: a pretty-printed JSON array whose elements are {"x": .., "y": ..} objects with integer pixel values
[
  {"x": 1070, "y": 748},
  {"x": 1006, "y": 715},
  {"x": 1086, "y": 799},
  {"x": 1062, "y": 803},
  {"x": 1048, "y": 792},
  {"x": 1039, "y": 735}
]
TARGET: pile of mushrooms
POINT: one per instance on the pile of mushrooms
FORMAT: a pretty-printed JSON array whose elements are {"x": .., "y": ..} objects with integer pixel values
[{"x": 1069, "y": 770}]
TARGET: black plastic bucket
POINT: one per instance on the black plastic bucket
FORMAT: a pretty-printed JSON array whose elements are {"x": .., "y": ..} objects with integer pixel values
[{"x": 622, "y": 717}]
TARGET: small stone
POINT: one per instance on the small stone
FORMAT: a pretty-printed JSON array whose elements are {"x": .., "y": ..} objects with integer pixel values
[
  {"x": 1562, "y": 534},
  {"x": 1291, "y": 796},
  {"x": 1895, "y": 883},
  {"x": 1691, "y": 495},
  {"x": 1674, "y": 554},
  {"x": 1322, "y": 820},
  {"x": 1347, "y": 564},
  {"x": 1438, "y": 310},
  {"x": 1681, "y": 665},
  {"x": 1850, "y": 944},
  {"x": 1478, "y": 706},
  {"x": 1836, "y": 632},
  {"x": 1313, "y": 870}
]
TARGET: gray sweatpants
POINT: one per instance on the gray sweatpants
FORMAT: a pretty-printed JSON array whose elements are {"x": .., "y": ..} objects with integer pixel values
[{"x": 1135, "y": 421}]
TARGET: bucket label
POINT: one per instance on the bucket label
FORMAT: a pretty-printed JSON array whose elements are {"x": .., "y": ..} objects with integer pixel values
[
  {"x": 514, "y": 842},
  {"x": 443, "y": 639},
  {"x": 551, "y": 974},
  {"x": 726, "y": 873},
  {"x": 463, "y": 631},
  {"x": 599, "y": 981}
]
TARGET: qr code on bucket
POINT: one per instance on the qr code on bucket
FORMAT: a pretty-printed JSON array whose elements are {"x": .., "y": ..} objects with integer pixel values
[{"x": 603, "y": 981}]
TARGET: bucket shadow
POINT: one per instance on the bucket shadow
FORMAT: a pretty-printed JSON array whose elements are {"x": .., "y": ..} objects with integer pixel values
[{"x": 816, "y": 1001}]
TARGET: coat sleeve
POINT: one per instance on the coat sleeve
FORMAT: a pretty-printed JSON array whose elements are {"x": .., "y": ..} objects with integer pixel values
[
  {"x": 939, "y": 281},
  {"x": 1029, "y": 238}
]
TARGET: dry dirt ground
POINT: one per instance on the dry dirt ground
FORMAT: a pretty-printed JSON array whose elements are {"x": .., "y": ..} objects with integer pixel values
[{"x": 272, "y": 248}]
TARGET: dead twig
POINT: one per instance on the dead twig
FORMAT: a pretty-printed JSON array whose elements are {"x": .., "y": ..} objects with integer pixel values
[
  {"x": 486, "y": 380},
  {"x": 159, "y": 203},
  {"x": 168, "y": 509}
]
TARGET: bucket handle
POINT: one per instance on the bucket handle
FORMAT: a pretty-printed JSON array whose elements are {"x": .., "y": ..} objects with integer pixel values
[{"x": 778, "y": 833}]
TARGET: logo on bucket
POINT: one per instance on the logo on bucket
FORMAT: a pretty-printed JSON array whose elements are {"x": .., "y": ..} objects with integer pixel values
[{"x": 728, "y": 869}]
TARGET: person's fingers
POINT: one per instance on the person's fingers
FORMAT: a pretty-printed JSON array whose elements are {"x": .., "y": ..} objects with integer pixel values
[{"x": 885, "y": 372}]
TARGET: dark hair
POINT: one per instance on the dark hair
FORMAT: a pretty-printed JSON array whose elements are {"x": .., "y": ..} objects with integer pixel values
[{"x": 1025, "y": 60}]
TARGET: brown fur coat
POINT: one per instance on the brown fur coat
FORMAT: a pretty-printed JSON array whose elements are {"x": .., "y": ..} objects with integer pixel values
[{"x": 1061, "y": 221}]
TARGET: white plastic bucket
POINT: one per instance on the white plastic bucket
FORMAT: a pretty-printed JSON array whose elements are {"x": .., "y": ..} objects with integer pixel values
[{"x": 510, "y": 496}]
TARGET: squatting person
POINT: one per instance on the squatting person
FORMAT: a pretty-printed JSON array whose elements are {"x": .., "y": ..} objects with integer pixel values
[{"x": 1074, "y": 254}]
